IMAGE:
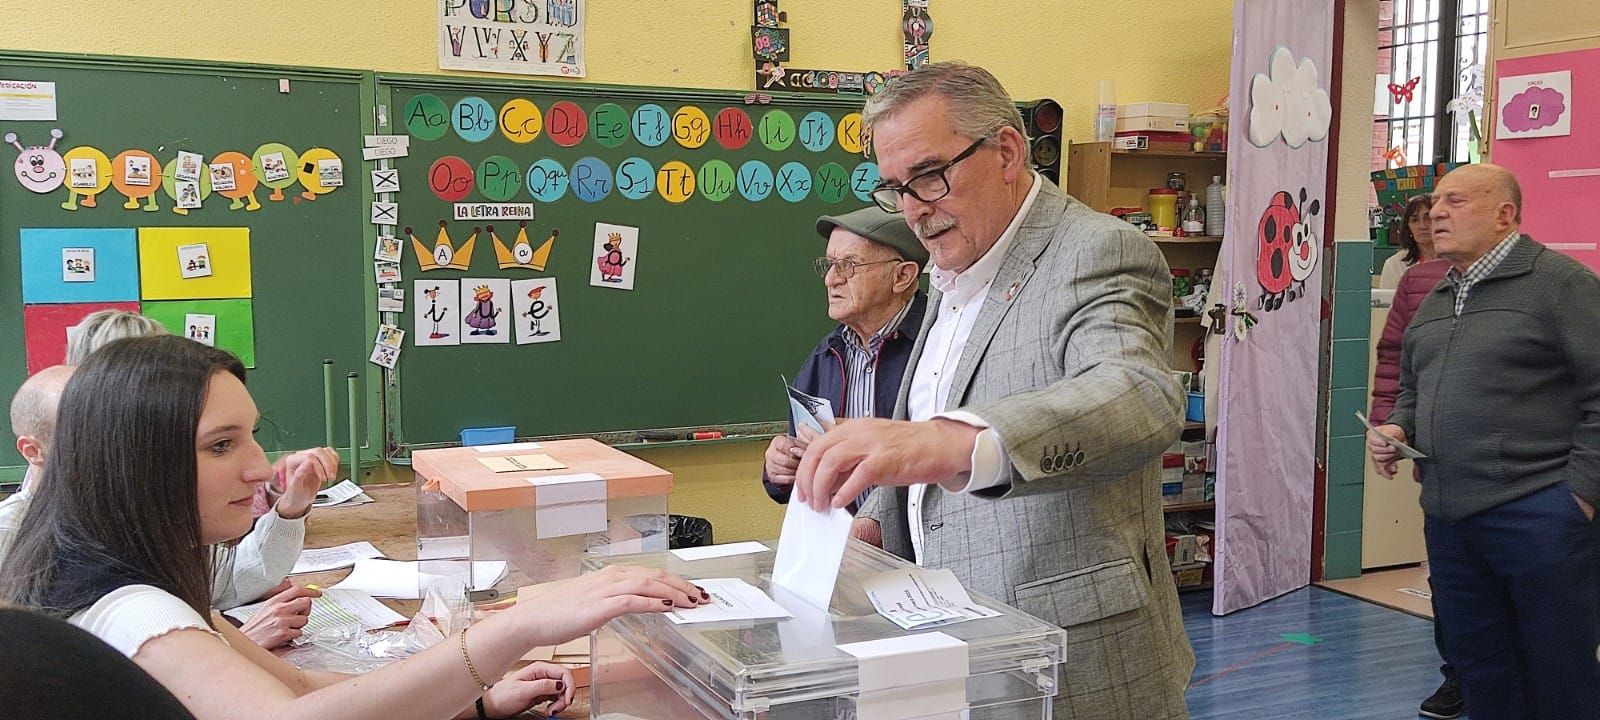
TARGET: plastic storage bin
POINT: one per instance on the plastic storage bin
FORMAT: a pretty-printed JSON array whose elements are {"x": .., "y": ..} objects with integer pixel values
[
  {"x": 540, "y": 524},
  {"x": 647, "y": 668},
  {"x": 472, "y": 437}
]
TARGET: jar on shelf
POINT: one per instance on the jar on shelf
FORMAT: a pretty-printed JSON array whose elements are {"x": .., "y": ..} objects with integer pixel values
[
  {"x": 1163, "y": 203},
  {"x": 1182, "y": 285}
]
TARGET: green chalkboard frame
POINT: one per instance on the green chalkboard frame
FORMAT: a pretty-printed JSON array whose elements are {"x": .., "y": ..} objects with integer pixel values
[
  {"x": 144, "y": 102},
  {"x": 685, "y": 350}
]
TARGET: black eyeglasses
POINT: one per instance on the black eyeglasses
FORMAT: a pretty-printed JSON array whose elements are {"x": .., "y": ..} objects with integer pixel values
[
  {"x": 927, "y": 186},
  {"x": 845, "y": 266}
]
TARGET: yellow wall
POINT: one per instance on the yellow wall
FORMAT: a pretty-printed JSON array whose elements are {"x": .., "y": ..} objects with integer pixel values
[
  {"x": 1169, "y": 50},
  {"x": 721, "y": 483},
  {"x": 1175, "y": 50}
]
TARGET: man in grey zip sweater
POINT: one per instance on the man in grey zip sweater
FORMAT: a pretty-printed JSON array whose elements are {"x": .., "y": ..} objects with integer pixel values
[{"x": 1500, "y": 388}]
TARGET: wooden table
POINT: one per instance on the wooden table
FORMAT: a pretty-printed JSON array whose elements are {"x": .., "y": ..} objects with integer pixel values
[{"x": 390, "y": 524}]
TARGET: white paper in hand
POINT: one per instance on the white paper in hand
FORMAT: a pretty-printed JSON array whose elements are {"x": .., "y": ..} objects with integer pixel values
[
  {"x": 809, "y": 552},
  {"x": 1406, "y": 451},
  {"x": 809, "y": 411}
]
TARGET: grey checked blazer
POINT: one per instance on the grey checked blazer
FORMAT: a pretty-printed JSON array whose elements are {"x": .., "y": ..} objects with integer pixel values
[{"x": 1067, "y": 361}]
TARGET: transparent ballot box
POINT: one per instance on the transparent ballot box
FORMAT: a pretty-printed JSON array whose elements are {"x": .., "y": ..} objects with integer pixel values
[
  {"x": 645, "y": 667},
  {"x": 489, "y": 522}
]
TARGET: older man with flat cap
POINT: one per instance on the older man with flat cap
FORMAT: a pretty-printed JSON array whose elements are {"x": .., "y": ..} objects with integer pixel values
[{"x": 871, "y": 269}]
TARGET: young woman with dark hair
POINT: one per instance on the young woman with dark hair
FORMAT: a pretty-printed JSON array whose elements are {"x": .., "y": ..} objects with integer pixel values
[
  {"x": 1414, "y": 234},
  {"x": 154, "y": 461}
]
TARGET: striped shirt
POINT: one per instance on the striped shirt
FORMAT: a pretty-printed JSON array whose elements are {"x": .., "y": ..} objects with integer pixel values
[
  {"x": 1479, "y": 270},
  {"x": 860, "y": 362}
]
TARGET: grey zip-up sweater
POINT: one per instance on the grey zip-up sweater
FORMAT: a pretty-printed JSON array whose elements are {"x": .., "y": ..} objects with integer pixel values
[{"x": 1505, "y": 399}]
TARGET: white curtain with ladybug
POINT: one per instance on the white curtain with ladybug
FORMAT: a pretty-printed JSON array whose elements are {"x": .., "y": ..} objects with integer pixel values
[{"x": 1279, "y": 145}]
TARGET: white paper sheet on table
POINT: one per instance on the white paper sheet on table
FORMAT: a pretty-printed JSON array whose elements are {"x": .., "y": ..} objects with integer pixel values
[
  {"x": 503, "y": 447},
  {"x": 810, "y": 550},
  {"x": 344, "y": 493},
  {"x": 716, "y": 551},
  {"x": 731, "y": 599},
  {"x": 336, "y": 608},
  {"x": 400, "y": 580},
  {"x": 320, "y": 559},
  {"x": 915, "y": 598}
]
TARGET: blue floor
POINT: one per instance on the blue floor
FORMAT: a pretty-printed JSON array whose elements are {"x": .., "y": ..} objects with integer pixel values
[{"x": 1367, "y": 661}]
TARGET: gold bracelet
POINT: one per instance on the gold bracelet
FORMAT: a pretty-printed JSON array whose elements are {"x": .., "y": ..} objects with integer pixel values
[{"x": 464, "y": 656}]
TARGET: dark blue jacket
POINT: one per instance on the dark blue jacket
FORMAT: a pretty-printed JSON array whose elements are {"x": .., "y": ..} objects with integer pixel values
[{"x": 823, "y": 373}]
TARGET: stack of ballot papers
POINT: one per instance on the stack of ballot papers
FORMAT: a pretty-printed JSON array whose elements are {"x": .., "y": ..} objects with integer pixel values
[
  {"x": 401, "y": 580},
  {"x": 320, "y": 559},
  {"x": 336, "y": 609},
  {"x": 344, "y": 494},
  {"x": 916, "y": 598}
]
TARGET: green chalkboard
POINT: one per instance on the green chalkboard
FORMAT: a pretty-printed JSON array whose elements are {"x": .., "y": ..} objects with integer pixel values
[
  {"x": 724, "y": 297},
  {"x": 310, "y": 258}
]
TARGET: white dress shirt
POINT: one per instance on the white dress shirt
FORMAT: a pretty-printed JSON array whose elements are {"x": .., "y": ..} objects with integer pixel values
[{"x": 961, "y": 296}]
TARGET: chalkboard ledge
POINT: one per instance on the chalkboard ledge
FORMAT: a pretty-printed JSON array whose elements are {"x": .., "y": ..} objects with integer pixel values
[{"x": 632, "y": 439}]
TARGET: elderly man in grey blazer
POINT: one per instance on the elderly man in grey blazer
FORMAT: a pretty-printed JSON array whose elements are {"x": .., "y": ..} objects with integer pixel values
[{"x": 1025, "y": 456}]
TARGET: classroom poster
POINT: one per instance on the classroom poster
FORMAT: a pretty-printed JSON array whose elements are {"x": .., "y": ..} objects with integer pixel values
[
  {"x": 1559, "y": 171},
  {"x": 485, "y": 310},
  {"x": 435, "y": 319},
  {"x": 1271, "y": 268},
  {"x": 539, "y": 38},
  {"x": 224, "y": 324},
  {"x": 538, "y": 313},
  {"x": 615, "y": 249}
]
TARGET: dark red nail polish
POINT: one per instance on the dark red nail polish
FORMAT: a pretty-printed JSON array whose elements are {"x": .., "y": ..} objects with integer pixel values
[
  {"x": 667, "y": 603},
  {"x": 705, "y": 596},
  {"x": 560, "y": 686}
]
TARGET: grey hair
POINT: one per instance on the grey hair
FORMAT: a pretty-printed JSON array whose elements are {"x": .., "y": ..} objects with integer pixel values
[
  {"x": 101, "y": 327},
  {"x": 979, "y": 105}
]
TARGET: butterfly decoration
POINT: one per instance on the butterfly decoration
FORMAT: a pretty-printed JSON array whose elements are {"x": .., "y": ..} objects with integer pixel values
[
  {"x": 1396, "y": 155},
  {"x": 1406, "y": 92},
  {"x": 758, "y": 99}
]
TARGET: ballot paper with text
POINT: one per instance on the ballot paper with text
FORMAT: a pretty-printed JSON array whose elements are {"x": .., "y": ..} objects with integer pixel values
[{"x": 917, "y": 598}]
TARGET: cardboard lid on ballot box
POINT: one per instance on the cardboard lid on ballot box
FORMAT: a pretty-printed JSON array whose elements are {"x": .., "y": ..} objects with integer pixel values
[{"x": 475, "y": 487}]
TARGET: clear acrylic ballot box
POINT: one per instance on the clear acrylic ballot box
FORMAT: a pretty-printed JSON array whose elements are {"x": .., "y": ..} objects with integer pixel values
[
  {"x": 491, "y": 519},
  {"x": 645, "y": 667}
]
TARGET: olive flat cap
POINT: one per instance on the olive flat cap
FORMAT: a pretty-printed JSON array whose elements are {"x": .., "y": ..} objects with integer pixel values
[{"x": 879, "y": 226}]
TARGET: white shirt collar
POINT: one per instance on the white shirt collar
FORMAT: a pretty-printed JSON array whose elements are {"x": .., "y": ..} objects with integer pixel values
[{"x": 963, "y": 285}]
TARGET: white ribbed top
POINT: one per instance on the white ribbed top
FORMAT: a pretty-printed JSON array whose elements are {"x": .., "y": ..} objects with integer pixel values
[{"x": 130, "y": 616}]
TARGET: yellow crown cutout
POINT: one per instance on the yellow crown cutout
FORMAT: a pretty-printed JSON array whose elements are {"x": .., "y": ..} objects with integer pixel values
[
  {"x": 444, "y": 256},
  {"x": 521, "y": 253}
]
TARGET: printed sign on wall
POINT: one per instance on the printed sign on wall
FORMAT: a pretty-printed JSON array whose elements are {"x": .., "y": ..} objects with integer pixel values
[{"x": 527, "y": 38}]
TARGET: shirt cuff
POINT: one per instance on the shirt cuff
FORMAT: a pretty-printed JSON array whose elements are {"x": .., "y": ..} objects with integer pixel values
[{"x": 990, "y": 468}]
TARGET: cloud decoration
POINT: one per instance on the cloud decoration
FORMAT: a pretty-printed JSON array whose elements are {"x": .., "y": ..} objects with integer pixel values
[
  {"x": 1534, "y": 108},
  {"x": 1287, "y": 101}
]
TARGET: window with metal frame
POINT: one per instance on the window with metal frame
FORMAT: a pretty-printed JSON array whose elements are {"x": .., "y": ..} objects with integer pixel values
[{"x": 1427, "y": 48}]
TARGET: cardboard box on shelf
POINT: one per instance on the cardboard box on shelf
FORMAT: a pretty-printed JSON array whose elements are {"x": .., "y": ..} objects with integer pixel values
[
  {"x": 1188, "y": 576},
  {"x": 1154, "y": 109},
  {"x": 1181, "y": 549},
  {"x": 1152, "y": 123}
]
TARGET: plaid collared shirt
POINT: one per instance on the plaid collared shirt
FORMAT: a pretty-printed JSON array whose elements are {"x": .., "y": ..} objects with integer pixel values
[
  {"x": 1479, "y": 270},
  {"x": 859, "y": 365}
]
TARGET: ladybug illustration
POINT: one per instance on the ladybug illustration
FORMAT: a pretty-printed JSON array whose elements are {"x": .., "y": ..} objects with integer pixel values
[{"x": 1286, "y": 249}]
